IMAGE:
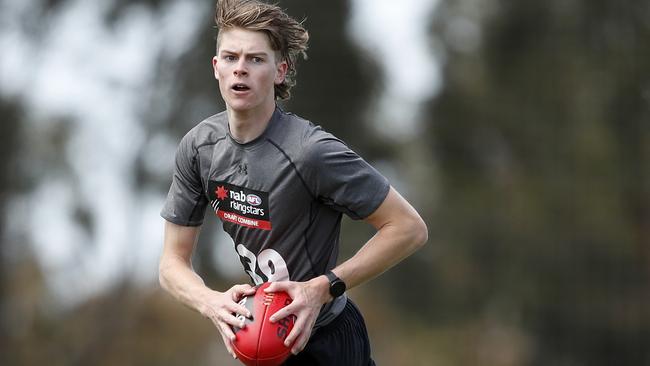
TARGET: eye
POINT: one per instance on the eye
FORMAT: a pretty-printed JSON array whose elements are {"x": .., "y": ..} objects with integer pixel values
[
  {"x": 257, "y": 60},
  {"x": 229, "y": 58}
]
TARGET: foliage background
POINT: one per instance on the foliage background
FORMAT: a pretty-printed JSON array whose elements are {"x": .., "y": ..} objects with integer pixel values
[{"x": 530, "y": 164}]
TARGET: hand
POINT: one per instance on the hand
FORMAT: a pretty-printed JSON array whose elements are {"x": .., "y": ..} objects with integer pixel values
[
  {"x": 307, "y": 300},
  {"x": 222, "y": 308}
]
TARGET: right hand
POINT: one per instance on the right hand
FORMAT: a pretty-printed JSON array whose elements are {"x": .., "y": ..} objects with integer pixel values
[{"x": 222, "y": 308}]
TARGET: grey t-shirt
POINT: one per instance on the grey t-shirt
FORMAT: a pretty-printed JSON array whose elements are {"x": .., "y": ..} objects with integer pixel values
[{"x": 279, "y": 197}]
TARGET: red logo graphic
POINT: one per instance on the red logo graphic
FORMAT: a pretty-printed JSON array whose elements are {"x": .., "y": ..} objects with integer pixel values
[{"x": 222, "y": 193}]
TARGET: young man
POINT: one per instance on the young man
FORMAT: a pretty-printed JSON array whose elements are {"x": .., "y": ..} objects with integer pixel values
[{"x": 279, "y": 184}]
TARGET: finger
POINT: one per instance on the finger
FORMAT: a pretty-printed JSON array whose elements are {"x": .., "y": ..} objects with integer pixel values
[
  {"x": 226, "y": 331},
  {"x": 225, "y": 317},
  {"x": 228, "y": 345},
  {"x": 243, "y": 287},
  {"x": 297, "y": 330},
  {"x": 282, "y": 313},
  {"x": 278, "y": 287},
  {"x": 300, "y": 343},
  {"x": 231, "y": 319},
  {"x": 239, "y": 291},
  {"x": 235, "y": 308},
  {"x": 302, "y": 335}
]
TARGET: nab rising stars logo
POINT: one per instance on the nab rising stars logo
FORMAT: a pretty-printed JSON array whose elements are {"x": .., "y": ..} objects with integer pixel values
[{"x": 240, "y": 205}]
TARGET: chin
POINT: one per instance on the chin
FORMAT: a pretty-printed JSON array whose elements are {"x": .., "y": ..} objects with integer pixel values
[
  {"x": 244, "y": 105},
  {"x": 240, "y": 107},
  {"x": 238, "y": 103}
]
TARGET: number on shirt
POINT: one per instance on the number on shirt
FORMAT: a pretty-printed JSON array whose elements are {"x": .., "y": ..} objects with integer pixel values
[{"x": 269, "y": 262}]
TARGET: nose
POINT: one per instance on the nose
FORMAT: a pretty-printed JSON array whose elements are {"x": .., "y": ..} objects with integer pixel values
[{"x": 240, "y": 68}]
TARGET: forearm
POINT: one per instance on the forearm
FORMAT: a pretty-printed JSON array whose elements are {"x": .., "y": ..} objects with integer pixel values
[
  {"x": 390, "y": 245},
  {"x": 400, "y": 232},
  {"x": 175, "y": 271},
  {"x": 179, "y": 279}
]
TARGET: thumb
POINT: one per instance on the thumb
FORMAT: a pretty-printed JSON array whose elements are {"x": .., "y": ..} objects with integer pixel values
[
  {"x": 239, "y": 291},
  {"x": 277, "y": 287}
]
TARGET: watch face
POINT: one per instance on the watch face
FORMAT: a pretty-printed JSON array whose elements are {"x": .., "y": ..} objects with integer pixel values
[{"x": 337, "y": 288}]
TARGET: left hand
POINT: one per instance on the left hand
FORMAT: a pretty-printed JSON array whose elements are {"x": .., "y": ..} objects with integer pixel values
[{"x": 307, "y": 300}]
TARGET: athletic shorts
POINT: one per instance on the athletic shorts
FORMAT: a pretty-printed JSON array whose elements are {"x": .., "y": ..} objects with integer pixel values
[{"x": 343, "y": 342}]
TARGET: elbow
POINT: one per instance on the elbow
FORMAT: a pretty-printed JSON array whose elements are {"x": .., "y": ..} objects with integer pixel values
[
  {"x": 162, "y": 275},
  {"x": 419, "y": 232}
]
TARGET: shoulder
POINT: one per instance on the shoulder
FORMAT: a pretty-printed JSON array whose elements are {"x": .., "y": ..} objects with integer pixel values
[
  {"x": 207, "y": 132},
  {"x": 299, "y": 137},
  {"x": 289, "y": 128}
]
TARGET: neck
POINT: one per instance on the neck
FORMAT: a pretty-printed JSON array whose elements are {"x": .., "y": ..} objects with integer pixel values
[{"x": 246, "y": 126}]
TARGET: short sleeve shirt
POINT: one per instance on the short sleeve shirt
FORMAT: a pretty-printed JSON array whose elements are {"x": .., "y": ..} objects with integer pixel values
[{"x": 280, "y": 197}]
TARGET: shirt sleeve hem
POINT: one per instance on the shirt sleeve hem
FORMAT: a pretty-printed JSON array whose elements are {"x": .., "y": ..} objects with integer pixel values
[
  {"x": 177, "y": 221},
  {"x": 383, "y": 193}
]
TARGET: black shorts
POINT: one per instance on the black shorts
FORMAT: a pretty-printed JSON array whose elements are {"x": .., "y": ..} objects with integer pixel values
[{"x": 343, "y": 342}]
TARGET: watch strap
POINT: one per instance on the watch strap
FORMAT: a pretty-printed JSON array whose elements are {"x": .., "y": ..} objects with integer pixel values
[{"x": 331, "y": 276}]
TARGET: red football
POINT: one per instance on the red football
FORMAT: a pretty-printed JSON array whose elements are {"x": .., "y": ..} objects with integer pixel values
[{"x": 260, "y": 342}]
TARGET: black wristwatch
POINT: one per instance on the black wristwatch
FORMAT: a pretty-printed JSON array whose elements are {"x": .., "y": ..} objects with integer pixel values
[{"x": 337, "y": 286}]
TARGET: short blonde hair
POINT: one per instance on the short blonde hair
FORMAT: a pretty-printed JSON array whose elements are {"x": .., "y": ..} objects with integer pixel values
[{"x": 286, "y": 35}]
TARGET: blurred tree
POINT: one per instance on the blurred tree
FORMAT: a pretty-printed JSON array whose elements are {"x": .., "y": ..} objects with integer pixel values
[
  {"x": 542, "y": 134},
  {"x": 11, "y": 112},
  {"x": 335, "y": 83},
  {"x": 125, "y": 325},
  {"x": 541, "y": 228}
]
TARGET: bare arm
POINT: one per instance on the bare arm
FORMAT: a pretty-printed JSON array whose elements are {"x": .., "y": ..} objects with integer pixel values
[
  {"x": 400, "y": 232},
  {"x": 175, "y": 272},
  {"x": 179, "y": 279}
]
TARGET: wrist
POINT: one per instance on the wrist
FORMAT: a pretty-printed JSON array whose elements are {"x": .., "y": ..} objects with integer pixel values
[
  {"x": 321, "y": 286},
  {"x": 202, "y": 300},
  {"x": 337, "y": 286}
]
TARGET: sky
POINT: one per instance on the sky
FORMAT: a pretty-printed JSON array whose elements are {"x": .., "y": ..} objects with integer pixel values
[
  {"x": 91, "y": 83},
  {"x": 398, "y": 35}
]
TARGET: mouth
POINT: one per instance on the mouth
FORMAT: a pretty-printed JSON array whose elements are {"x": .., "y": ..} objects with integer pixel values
[{"x": 240, "y": 87}]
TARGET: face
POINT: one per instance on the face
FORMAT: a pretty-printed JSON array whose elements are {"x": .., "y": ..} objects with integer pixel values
[{"x": 247, "y": 70}]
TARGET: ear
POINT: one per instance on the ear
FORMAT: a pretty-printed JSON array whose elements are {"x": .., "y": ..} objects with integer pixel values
[
  {"x": 214, "y": 67},
  {"x": 281, "y": 72}
]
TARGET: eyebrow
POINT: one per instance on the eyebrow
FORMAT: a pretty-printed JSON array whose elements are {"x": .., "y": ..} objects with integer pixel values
[{"x": 254, "y": 53}]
